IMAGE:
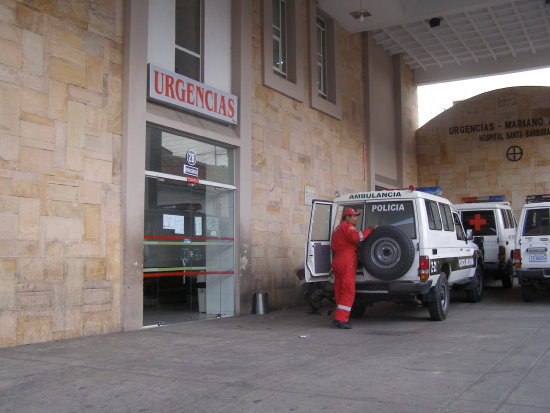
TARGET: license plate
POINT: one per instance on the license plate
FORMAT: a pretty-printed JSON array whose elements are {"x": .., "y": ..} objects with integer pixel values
[{"x": 540, "y": 257}]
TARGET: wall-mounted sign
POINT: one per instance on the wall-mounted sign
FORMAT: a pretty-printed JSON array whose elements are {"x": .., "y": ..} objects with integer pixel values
[
  {"x": 191, "y": 157},
  {"x": 185, "y": 93},
  {"x": 514, "y": 153},
  {"x": 190, "y": 170},
  {"x": 505, "y": 130}
]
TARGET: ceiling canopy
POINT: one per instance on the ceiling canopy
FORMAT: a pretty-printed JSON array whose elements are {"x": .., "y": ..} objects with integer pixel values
[{"x": 443, "y": 40}]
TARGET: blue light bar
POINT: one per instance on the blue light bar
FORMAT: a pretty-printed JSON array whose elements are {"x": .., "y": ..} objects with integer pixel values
[{"x": 434, "y": 190}]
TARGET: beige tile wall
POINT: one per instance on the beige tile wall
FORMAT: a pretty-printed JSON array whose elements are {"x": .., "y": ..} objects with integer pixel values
[
  {"x": 294, "y": 146},
  {"x": 60, "y": 134},
  {"x": 465, "y": 166}
]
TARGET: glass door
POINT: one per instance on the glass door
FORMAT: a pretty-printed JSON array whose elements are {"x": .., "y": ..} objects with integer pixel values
[{"x": 189, "y": 232}]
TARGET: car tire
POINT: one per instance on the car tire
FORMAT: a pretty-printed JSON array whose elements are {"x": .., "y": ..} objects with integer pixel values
[
  {"x": 475, "y": 292},
  {"x": 528, "y": 293},
  {"x": 508, "y": 276},
  {"x": 439, "y": 307},
  {"x": 387, "y": 253}
]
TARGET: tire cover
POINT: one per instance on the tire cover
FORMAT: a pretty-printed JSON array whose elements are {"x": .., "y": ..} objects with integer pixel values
[{"x": 387, "y": 253}]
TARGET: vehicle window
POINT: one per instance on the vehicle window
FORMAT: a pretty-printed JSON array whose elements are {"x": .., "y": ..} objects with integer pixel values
[
  {"x": 459, "y": 230},
  {"x": 447, "y": 217},
  {"x": 434, "y": 219},
  {"x": 536, "y": 222},
  {"x": 399, "y": 214},
  {"x": 358, "y": 207},
  {"x": 505, "y": 218},
  {"x": 320, "y": 227},
  {"x": 512, "y": 218},
  {"x": 480, "y": 222}
]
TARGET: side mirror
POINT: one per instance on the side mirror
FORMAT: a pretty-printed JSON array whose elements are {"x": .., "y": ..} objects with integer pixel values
[{"x": 470, "y": 234}]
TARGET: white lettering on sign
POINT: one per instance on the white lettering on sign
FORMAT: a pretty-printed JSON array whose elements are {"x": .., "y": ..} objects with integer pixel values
[
  {"x": 387, "y": 207},
  {"x": 466, "y": 262},
  {"x": 186, "y": 93}
]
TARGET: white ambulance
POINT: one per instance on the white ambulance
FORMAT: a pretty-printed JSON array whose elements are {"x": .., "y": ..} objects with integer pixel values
[
  {"x": 493, "y": 219},
  {"x": 532, "y": 246},
  {"x": 418, "y": 253}
]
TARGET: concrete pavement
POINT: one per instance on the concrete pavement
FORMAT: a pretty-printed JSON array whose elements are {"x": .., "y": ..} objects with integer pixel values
[{"x": 491, "y": 356}]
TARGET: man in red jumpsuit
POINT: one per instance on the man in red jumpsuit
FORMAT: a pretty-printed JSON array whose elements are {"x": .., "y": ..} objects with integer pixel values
[{"x": 344, "y": 264}]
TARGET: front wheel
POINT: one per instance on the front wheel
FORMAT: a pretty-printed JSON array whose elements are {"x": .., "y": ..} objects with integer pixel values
[
  {"x": 475, "y": 292},
  {"x": 439, "y": 307}
]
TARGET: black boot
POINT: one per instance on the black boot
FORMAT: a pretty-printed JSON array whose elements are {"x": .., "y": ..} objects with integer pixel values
[{"x": 341, "y": 324}]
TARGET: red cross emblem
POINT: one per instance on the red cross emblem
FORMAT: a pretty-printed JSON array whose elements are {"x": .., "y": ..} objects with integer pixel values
[{"x": 477, "y": 222}]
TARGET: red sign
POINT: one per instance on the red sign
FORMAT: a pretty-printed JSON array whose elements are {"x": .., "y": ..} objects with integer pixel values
[
  {"x": 186, "y": 93},
  {"x": 192, "y": 180}
]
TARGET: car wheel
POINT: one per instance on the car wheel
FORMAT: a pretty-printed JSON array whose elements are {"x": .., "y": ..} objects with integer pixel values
[
  {"x": 387, "y": 253},
  {"x": 528, "y": 293},
  {"x": 475, "y": 292},
  {"x": 439, "y": 307},
  {"x": 508, "y": 276}
]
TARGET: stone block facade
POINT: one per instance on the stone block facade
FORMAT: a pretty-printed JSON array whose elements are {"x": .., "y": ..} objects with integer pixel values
[
  {"x": 60, "y": 137},
  {"x": 468, "y": 149}
]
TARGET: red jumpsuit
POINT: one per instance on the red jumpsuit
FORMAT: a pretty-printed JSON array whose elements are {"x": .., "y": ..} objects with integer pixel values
[{"x": 344, "y": 266}]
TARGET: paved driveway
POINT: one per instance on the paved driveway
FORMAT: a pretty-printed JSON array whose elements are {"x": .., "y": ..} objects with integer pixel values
[{"x": 491, "y": 356}]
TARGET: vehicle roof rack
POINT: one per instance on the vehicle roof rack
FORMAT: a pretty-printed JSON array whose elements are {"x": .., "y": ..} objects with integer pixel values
[{"x": 531, "y": 199}]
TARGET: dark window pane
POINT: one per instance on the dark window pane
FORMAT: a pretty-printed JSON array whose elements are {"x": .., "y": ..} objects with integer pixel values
[
  {"x": 188, "y": 65},
  {"x": 188, "y": 29}
]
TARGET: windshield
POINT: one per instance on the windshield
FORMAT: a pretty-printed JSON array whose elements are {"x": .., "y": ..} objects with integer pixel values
[{"x": 399, "y": 214}]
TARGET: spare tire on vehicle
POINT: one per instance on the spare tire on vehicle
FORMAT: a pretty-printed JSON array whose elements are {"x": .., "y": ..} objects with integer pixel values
[{"x": 387, "y": 253}]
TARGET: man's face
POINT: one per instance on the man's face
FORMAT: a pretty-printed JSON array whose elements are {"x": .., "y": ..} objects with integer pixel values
[{"x": 352, "y": 219}]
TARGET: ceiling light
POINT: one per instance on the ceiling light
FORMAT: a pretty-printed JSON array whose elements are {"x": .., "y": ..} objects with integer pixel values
[{"x": 360, "y": 14}]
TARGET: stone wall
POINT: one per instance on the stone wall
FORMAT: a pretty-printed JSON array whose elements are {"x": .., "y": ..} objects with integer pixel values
[
  {"x": 294, "y": 146},
  {"x": 463, "y": 150},
  {"x": 60, "y": 144}
]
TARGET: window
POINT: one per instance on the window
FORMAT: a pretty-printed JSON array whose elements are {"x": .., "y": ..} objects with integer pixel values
[
  {"x": 322, "y": 57},
  {"x": 459, "y": 230},
  {"x": 481, "y": 222},
  {"x": 447, "y": 217},
  {"x": 324, "y": 63},
  {"x": 283, "y": 43},
  {"x": 505, "y": 218},
  {"x": 434, "y": 220},
  {"x": 188, "y": 39},
  {"x": 536, "y": 222},
  {"x": 279, "y": 37},
  {"x": 320, "y": 227},
  {"x": 399, "y": 214}
]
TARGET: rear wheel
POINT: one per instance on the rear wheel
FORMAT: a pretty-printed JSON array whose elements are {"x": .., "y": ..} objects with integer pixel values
[
  {"x": 508, "y": 276},
  {"x": 528, "y": 293},
  {"x": 439, "y": 307}
]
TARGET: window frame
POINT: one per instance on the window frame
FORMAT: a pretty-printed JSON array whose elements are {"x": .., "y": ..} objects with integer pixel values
[
  {"x": 293, "y": 84},
  {"x": 332, "y": 103}
]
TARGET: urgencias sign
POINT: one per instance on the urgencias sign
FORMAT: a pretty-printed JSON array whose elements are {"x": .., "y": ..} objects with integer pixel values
[{"x": 185, "y": 93}]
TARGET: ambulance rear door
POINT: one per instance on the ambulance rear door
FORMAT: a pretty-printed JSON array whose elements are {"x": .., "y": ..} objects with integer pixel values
[{"x": 318, "y": 253}]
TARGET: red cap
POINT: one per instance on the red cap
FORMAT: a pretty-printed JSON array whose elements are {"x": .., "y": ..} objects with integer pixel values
[{"x": 350, "y": 211}]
